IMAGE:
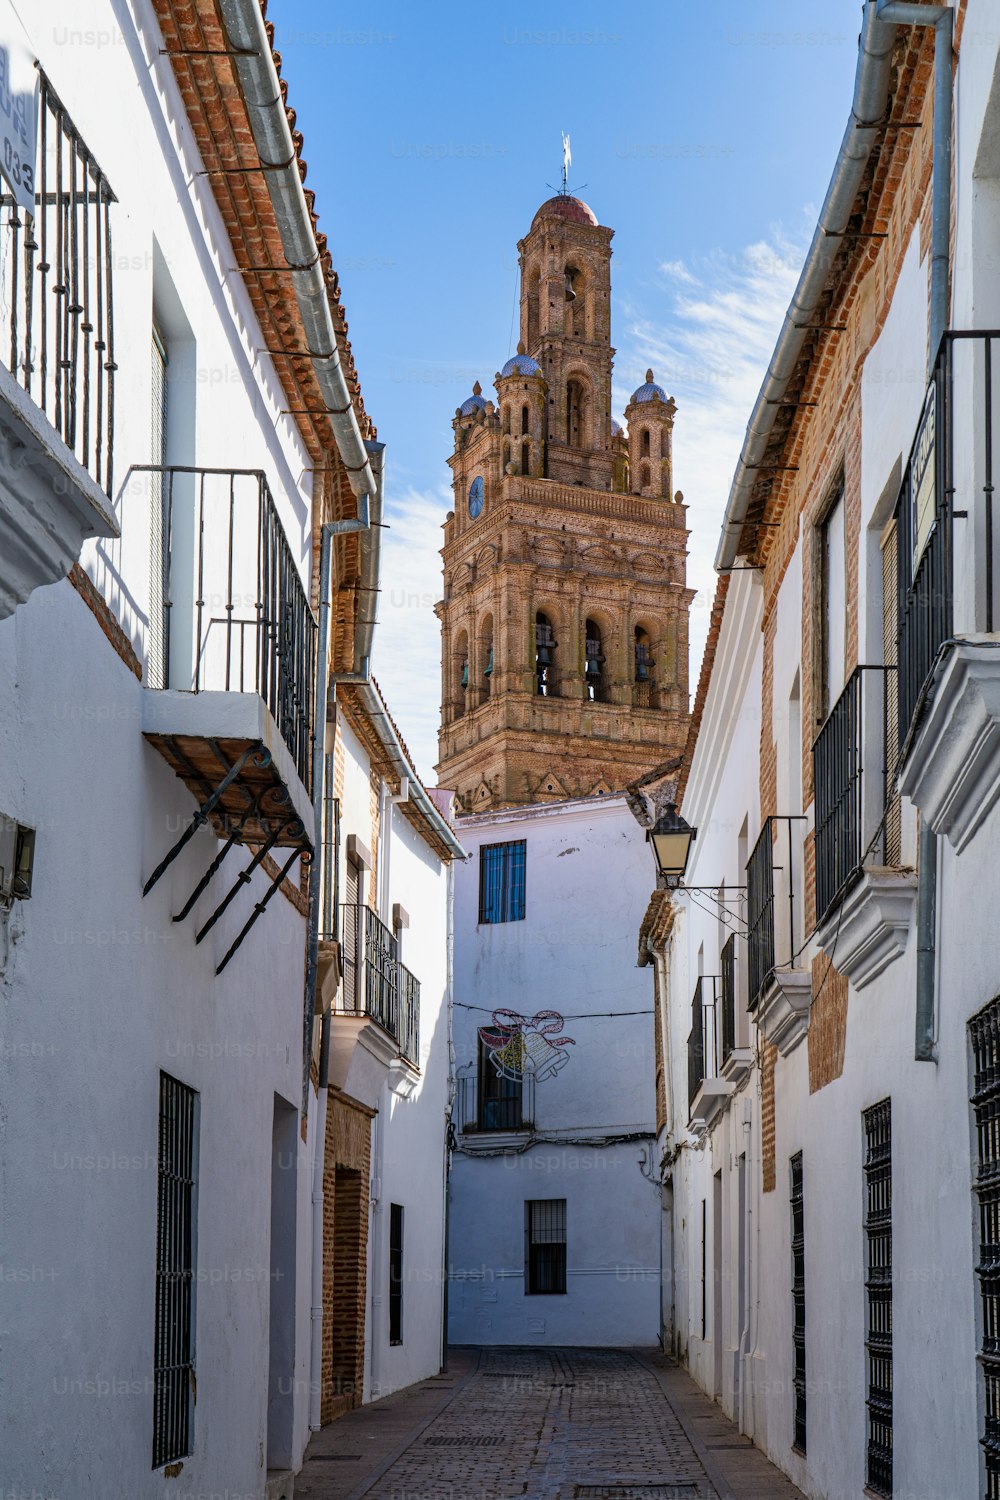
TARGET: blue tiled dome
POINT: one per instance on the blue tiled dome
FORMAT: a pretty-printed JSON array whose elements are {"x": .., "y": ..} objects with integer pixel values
[
  {"x": 615, "y": 427},
  {"x": 650, "y": 391},
  {"x": 475, "y": 402},
  {"x": 521, "y": 364}
]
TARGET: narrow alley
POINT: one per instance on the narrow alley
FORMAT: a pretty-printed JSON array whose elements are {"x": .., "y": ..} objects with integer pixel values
[{"x": 544, "y": 1424}]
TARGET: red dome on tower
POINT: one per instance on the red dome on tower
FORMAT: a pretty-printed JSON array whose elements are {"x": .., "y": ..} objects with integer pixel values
[{"x": 565, "y": 206}]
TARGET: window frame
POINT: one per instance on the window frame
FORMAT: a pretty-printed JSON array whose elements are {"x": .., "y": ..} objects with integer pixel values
[
  {"x": 503, "y": 898},
  {"x": 557, "y": 1266},
  {"x": 174, "y": 1270}
]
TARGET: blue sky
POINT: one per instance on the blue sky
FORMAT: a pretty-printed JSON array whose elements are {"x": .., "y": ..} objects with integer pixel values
[{"x": 705, "y": 135}]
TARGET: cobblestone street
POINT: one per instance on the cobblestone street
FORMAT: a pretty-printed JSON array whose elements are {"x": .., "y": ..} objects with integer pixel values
[{"x": 570, "y": 1424}]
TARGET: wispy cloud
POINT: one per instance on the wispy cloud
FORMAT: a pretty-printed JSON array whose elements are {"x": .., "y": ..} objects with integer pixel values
[
  {"x": 708, "y": 334},
  {"x": 407, "y": 650},
  {"x": 707, "y": 328}
]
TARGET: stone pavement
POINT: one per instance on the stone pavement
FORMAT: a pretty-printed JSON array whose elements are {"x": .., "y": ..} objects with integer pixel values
[{"x": 541, "y": 1424}]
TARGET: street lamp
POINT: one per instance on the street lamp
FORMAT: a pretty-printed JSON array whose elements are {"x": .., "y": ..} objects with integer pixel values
[{"x": 671, "y": 838}]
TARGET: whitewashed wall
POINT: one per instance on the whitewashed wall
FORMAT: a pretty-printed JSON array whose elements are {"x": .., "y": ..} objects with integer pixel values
[{"x": 587, "y": 880}]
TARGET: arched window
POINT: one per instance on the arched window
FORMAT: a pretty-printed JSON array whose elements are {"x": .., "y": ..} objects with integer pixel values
[
  {"x": 644, "y": 669},
  {"x": 524, "y": 421},
  {"x": 526, "y": 458},
  {"x": 461, "y": 674},
  {"x": 577, "y": 303},
  {"x": 594, "y": 669},
  {"x": 545, "y": 656},
  {"x": 506, "y": 419},
  {"x": 534, "y": 278},
  {"x": 576, "y": 413},
  {"x": 644, "y": 477},
  {"x": 645, "y": 442},
  {"x": 626, "y": 478},
  {"x": 486, "y": 655},
  {"x": 506, "y": 456}
]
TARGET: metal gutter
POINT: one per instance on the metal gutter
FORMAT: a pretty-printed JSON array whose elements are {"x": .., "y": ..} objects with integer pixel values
[
  {"x": 871, "y": 93},
  {"x": 247, "y": 36}
]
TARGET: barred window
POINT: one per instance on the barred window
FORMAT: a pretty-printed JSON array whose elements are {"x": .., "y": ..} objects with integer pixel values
[
  {"x": 502, "y": 882},
  {"x": 878, "y": 1288},
  {"x": 173, "y": 1356},
  {"x": 501, "y": 1098},
  {"x": 984, "y": 1033},
  {"x": 545, "y": 1252},
  {"x": 395, "y": 1273},
  {"x": 798, "y": 1303}
]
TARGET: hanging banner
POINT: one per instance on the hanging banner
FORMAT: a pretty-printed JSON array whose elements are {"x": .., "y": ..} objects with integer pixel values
[{"x": 19, "y": 89}]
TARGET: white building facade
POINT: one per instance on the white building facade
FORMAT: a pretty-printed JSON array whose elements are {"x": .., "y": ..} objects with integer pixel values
[
  {"x": 827, "y": 985},
  {"x": 554, "y": 1227},
  {"x": 179, "y": 488}
]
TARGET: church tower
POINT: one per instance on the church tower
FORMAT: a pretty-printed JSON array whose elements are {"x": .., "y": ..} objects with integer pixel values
[{"x": 564, "y": 622}]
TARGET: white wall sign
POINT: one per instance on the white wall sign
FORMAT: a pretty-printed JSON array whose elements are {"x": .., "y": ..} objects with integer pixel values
[{"x": 18, "y": 109}]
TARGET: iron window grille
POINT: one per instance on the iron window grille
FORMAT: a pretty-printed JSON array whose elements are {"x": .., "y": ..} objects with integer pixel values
[
  {"x": 878, "y": 1289},
  {"x": 502, "y": 870},
  {"x": 173, "y": 1347},
  {"x": 545, "y": 1256},
  {"x": 234, "y": 615},
  {"x": 984, "y": 1035},
  {"x": 395, "y": 1273},
  {"x": 770, "y": 928},
  {"x": 702, "y": 1039},
  {"x": 56, "y": 291},
  {"x": 501, "y": 1098},
  {"x": 798, "y": 1304},
  {"x": 852, "y": 778},
  {"x": 375, "y": 982}
]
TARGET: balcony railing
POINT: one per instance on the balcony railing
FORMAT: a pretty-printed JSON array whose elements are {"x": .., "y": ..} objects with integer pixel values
[
  {"x": 949, "y": 478},
  {"x": 728, "y": 998},
  {"x": 771, "y": 914},
  {"x": 507, "y": 1104},
  {"x": 703, "y": 1061},
  {"x": 56, "y": 291},
  {"x": 224, "y": 600},
  {"x": 376, "y": 983},
  {"x": 853, "y": 764}
]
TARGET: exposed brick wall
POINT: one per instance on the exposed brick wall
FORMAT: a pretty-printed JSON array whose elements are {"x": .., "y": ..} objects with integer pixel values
[
  {"x": 105, "y": 618},
  {"x": 827, "y": 1038},
  {"x": 768, "y": 1164},
  {"x": 346, "y": 1175}
]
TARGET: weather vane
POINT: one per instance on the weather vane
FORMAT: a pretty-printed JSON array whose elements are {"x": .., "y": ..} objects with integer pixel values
[{"x": 567, "y": 162}]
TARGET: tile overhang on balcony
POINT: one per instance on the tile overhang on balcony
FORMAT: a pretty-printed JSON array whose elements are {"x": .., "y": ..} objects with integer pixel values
[
  {"x": 709, "y": 1103},
  {"x": 49, "y": 504},
  {"x": 782, "y": 1012},
  {"x": 197, "y": 732},
  {"x": 870, "y": 926},
  {"x": 952, "y": 770}
]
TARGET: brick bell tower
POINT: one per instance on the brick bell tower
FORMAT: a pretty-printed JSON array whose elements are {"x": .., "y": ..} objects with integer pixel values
[{"x": 564, "y": 622}]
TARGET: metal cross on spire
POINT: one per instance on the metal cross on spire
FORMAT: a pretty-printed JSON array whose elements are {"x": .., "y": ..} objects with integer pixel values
[{"x": 567, "y": 161}]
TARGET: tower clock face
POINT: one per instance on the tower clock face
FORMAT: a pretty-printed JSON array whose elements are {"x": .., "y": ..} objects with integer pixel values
[{"x": 476, "y": 496}]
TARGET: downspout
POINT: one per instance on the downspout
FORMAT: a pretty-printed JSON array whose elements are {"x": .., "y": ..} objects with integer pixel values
[
  {"x": 942, "y": 18},
  {"x": 871, "y": 92},
  {"x": 246, "y": 35}
]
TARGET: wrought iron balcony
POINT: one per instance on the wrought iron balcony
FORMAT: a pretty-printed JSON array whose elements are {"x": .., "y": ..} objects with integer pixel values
[
  {"x": 376, "y": 984},
  {"x": 854, "y": 760},
  {"x": 728, "y": 998},
  {"x": 56, "y": 291},
  {"x": 771, "y": 914},
  {"x": 702, "y": 1044},
  {"x": 487, "y": 1103},
  {"x": 207, "y": 563}
]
